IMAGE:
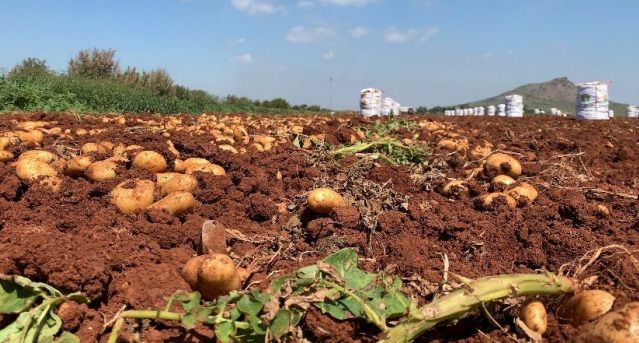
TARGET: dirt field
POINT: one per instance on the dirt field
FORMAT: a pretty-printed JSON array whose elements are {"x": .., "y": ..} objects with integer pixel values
[{"x": 77, "y": 240}]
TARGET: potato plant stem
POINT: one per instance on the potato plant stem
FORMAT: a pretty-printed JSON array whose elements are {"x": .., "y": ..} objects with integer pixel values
[
  {"x": 151, "y": 314},
  {"x": 144, "y": 314},
  {"x": 459, "y": 302}
]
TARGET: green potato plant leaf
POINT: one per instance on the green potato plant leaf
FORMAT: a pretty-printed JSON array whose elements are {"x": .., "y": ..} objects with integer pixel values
[
  {"x": 35, "y": 303},
  {"x": 15, "y": 298}
]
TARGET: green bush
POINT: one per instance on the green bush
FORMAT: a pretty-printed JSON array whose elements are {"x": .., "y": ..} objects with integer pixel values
[{"x": 29, "y": 69}]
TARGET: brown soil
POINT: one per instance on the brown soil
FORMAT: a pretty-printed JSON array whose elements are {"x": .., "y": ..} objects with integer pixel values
[{"x": 76, "y": 240}]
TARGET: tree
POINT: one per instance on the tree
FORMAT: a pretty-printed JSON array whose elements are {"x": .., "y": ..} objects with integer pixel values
[
  {"x": 421, "y": 110},
  {"x": 277, "y": 103},
  {"x": 130, "y": 76},
  {"x": 30, "y": 68},
  {"x": 235, "y": 100},
  {"x": 95, "y": 64},
  {"x": 159, "y": 82}
]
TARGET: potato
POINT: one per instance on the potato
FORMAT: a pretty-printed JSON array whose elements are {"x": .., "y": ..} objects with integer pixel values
[
  {"x": 178, "y": 165},
  {"x": 205, "y": 168},
  {"x": 588, "y": 305},
  {"x": 76, "y": 166},
  {"x": 620, "y": 326},
  {"x": 191, "y": 268},
  {"x": 6, "y": 156},
  {"x": 133, "y": 200},
  {"x": 502, "y": 180},
  {"x": 106, "y": 145},
  {"x": 227, "y": 147},
  {"x": 264, "y": 140},
  {"x": 602, "y": 210},
  {"x": 150, "y": 160},
  {"x": 101, "y": 170},
  {"x": 32, "y": 136},
  {"x": 217, "y": 276},
  {"x": 453, "y": 144},
  {"x": 38, "y": 155},
  {"x": 6, "y": 141},
  {"x": 175, "y": 203},
  {"x": 472, "y": 172},
  {"x": 481, "y": 150},
  {"x": 162, "y": 178},
  {"x": 524, "y": 191},
  {"x": 56, "y": 131},
  {"x": 534, "y": 315},
  {"x": 488, "y": 199},
  {"x": 172, "y": 149},
  {"x": 134, "y": 148},
  {"x": 119, "y": 150},
  {"x": 241, "y": 134},
  {"x": 31, "y": 125},
  {"x": 33, "y": 170},
  {"x": 454, "y": 187},
  {"x": 88, "y": 148},
  {"x": 173, "y": 182},
  {"x": 323, "y": 200},
  {"x": 224, "y": 139},
  {"x": 257, "y": 146},
  {"x": 194, "y": 161},
  {"x": 503, "y": 164}
]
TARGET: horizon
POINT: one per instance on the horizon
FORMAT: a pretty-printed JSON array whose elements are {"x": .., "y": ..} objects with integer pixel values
[{"x": 420, "y": 52}]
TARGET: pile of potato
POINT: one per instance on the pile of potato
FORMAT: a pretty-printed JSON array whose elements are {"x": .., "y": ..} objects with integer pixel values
[
  {"x": 171, "y": 191},
  {"x": 504, "y": 170}
]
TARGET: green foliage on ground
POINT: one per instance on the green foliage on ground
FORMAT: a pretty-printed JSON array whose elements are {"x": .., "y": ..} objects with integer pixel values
[
  {"x": 33, "y": 306},
  {"x": 94, "y": 83}
]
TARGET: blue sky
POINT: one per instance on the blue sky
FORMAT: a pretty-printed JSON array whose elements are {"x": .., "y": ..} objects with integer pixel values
[{"x": 420, "y": 52}]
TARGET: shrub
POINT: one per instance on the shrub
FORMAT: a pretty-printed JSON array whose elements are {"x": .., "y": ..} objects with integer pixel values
[
  {"x": 29, "y": 68},
  {"x": 95, "y": 64},
  {"x": 159, "y": 82}
]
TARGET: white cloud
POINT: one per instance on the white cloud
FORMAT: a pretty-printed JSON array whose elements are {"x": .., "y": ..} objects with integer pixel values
[
  {"x": 329, "y": 55},
  {"x": 240, "y": 40},
  {"x": 394, "y": 35},
  {"x": 301, "y": 34},
  {"x": 255, "y": 6},
  {"x": 347, "y": 2},
  {"x": 487, "y": 55},
  {"x": 359, "y": 32},
  {"x": 244, "y": 59}
]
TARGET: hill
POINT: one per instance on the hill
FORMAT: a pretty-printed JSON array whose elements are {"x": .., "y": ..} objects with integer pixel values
[{"x": 559, "y": 93}]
